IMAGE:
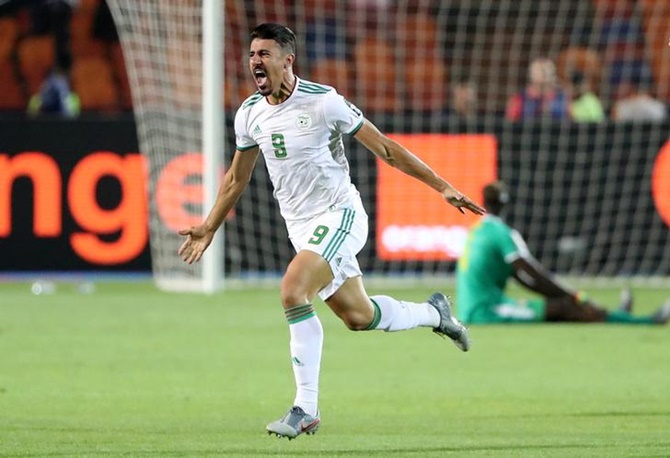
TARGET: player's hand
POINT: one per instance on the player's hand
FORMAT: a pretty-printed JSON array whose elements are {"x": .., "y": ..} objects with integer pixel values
[
  {"x": 462, "y": 202},
  {"x": 581, "y": 298},
  {"x": 197, "y": 240}
]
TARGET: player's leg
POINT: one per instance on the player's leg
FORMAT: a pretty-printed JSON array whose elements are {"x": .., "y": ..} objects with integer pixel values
[
  {"x": 360, "y": 312},
  {"x": 511, "y": 310},
  {"x": 566, "y": 309},
  {"x": 307, "y": 273},
  {"x": 316, "y": 244},
  {"x": 569, "y": 310},
  {"x": 338, "y": 237}
]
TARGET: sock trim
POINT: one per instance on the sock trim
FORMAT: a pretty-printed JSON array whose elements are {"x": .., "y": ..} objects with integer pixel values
[
  {"x": 298, "y": 313},
  {"x": 377, "y": 318}
]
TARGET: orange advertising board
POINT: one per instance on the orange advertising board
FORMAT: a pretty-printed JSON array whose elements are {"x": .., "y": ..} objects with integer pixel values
[
  {"x": 660, "y": 183},
  {"x": 56, "y": 193},
  {"x": 413, "y": 221}
]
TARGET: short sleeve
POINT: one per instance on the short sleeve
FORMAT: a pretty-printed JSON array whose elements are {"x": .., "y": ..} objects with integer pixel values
[
  {"x": 341, "y": 115},
  {"x": 243, "y": 140},
  {"x": 513, "y": 246}
]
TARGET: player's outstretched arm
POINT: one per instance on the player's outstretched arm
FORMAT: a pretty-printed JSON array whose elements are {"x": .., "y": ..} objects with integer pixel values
[
  {"x": 531, "y": 274},
  {"x": 236, "y": 179},
  {"x": 401, "y": 158}
]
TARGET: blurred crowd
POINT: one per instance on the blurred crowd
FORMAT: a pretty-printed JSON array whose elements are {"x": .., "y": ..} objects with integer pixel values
[
  {"x": 60, "y": 57},
  {"x": 64, "y": 57},
  {"x": 545, "y": 97}
]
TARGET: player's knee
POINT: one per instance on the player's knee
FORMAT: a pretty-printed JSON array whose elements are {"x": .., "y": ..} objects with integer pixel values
[
  {"x": 357, "y": 321},
  {"x": 291, "y": 294},
  {"x": 293, "y": 297}
]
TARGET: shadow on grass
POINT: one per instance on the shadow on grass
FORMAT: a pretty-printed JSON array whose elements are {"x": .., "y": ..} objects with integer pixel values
[
  {"x": 425, "y": 450},
  {"x": 241, "y": 451},
  {"x": 642, "y": 413},
  {"x": 605, "y": 413}
]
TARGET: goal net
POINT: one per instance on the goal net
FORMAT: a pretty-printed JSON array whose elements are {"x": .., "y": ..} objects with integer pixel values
[
  {"x": 590, "y": 182},
  {"x": 163, "y": 51}
]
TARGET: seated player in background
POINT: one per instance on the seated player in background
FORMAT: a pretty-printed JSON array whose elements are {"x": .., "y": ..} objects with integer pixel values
[{"x": 495, "y": 253}]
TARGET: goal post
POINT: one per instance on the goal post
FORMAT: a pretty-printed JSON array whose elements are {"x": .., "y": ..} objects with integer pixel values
[
  {"x": 212, "y": 133},
  {"x": 174, "y": 55}
]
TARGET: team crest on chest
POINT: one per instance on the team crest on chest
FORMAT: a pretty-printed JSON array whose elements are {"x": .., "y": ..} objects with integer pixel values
[{"x": 304, "y": 121}]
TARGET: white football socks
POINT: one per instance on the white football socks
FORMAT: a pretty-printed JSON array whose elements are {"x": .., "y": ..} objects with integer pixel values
[
  {"x": 306, "y": 347},
  {"x": 307, "y": 339},
  {"x": 394, "y": 315}
]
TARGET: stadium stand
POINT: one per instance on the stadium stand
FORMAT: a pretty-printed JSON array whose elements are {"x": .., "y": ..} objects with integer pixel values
[
  {"x": 392, "y": 48},
  {"x": 93, "y": 81},
  {"x": 334, "y": 72},
  {"x": 656, "y": 21},
  {"x": 375, "y": 81},
  {"x": 121, "y": 76},
  {"x": 580, "y": 59},
  {"x": 8, "y": 33},
  {"x": 11, "y": 95},
  {"x": 36, "y": 56}
]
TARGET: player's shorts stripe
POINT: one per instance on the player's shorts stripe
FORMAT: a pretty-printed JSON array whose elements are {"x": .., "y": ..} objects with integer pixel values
[{"x": 340, "y": 235}]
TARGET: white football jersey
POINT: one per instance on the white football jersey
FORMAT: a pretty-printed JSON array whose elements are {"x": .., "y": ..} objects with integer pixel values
[{"x": 301, "y": 141}]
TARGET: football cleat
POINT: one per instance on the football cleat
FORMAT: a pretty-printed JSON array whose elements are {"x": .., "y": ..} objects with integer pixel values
[
  {"x": 294, "y": 423},
  {"x": 449, "y": 325}
]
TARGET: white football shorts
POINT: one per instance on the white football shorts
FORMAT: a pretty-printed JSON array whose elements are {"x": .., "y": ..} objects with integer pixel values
[{"x": 338, "y": 235}]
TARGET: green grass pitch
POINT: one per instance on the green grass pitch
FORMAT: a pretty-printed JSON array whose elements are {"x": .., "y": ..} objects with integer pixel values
[{"x": 130, "y": 371}]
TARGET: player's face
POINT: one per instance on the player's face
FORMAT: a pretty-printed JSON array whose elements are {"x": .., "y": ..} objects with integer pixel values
[{"x": 267, "y": 63}]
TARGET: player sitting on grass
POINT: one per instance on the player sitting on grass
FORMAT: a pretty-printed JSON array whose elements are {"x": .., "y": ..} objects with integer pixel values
[
  {"x": 495, "y": 253},
  {"x": 298, "y": 126}
]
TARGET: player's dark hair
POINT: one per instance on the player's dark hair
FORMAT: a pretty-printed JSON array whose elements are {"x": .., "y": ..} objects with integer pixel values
[
  {"x": 281, "y": 34},
  {"x": 495, "y": 197}
]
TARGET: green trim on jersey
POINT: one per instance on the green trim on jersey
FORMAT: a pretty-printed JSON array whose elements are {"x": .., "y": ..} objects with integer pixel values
[
  {"x": 313, "y": 86},
  {"x": 357, "y": 128},
  {"x": 312, "y": 91},
  {"x": 252, "y": 100},
  {"x": 245, "y": 148}
]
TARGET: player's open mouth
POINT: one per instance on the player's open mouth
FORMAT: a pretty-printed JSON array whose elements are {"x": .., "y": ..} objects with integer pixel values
[{"x": 261, "y": 77}]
